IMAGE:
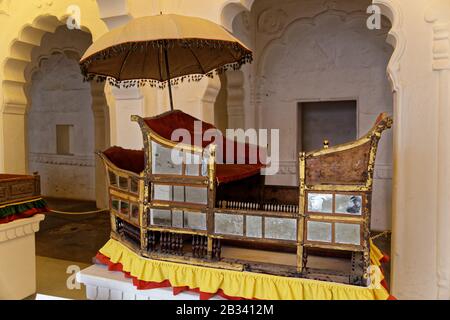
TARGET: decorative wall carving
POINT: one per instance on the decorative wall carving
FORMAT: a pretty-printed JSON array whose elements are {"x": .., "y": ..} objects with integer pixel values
[
  {"x": 441, "y": 46},
  {"x": 235, "y": 99},
  {"x": 288, "y": 167},
  {"x": 56, "y": 159},
  {"x": 441, "y": 40},
  {"x": 271, "y": 21}
]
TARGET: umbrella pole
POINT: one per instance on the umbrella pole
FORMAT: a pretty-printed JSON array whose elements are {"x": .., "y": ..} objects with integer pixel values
[{"x": 168, "y": 78}]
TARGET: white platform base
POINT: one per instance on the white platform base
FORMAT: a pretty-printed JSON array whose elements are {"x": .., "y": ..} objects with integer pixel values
[
  {"x": 18, "y": 258},
  {"x": 102, "y": 284}
]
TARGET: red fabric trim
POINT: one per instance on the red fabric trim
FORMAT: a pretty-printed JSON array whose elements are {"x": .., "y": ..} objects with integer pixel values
[
  {"x": 130, "y": 160},
  {"x": 384, "y": 284},
  {"x": 385, "y": 258},
  {"x": 23, "y": 215}
]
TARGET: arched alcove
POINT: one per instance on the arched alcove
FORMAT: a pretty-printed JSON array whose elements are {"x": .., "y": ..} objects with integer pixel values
[
  {"x": 60, "y": 125},
  {"x": 26, "y": 54}
]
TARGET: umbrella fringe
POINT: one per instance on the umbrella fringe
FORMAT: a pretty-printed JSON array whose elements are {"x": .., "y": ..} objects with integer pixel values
[
  {"x": 246, "y": 57},
  {"x": 163, "y": 84}
]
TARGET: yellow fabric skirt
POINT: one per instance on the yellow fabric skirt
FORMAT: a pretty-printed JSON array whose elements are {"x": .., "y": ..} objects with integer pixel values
[{"x": 240, "y": 284}]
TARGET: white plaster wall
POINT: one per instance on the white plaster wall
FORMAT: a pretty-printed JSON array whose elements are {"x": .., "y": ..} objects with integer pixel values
[
  {"x": 325, "y": 54},
  {"x": 59, "y": 96}
]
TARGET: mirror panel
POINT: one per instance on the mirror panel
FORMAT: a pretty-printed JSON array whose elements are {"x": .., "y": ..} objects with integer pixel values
[
  {"x": 253, "y": 226},
  {"x": 347, "y": 233},
  {"x": 320, "y": 203},
  {"x": 162, "y": 192},
  {"x": 205, "y": 161},
  {"x": 178, "y": 193},
  {"x": 113, "y": 181},
  {"x": 177, "y": 218},
  {"x": 124, "y": 207},
  {"x": 123, "y": 183},
  {"x": 160, "y": 217},
  {"x": 229, "y": 224},
  {"x": 196, "y": 195},
  {"x": 349, "y": 204},
  {"x": 195, "y": 220},
  {"x": 280, "y": 228},
  {"x": 134, "y": 185},
  {"x": 135, "y": 212},
  {"x": 162, "y": 160},
  {"x": 192, "y": 164},
  {"x": 115, "y": 204},
  {"x": 319, "y": 231}
]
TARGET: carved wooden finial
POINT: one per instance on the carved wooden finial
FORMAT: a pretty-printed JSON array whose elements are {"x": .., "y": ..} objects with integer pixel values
[{"x": 326, "y": 144}]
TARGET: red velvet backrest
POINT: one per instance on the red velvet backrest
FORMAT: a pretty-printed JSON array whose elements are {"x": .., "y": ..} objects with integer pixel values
[{"x": 130, "y": 160}]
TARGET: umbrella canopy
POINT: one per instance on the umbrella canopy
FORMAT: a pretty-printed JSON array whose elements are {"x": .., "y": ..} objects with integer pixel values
[{"x": 154, "y": 49}]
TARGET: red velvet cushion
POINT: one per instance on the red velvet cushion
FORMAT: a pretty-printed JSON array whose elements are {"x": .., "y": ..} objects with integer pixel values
[
  {"x": 130, "y": 160},
  {"x": 168, "y": 122}
]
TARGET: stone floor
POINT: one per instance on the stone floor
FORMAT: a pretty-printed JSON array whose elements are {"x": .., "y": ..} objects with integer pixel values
[
  {"x": 70, "y": 236},
  {"x": 68, "y": 242}
]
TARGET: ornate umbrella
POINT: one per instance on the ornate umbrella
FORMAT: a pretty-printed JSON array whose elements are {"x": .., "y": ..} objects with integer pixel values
[{"x": 163, "y": 49}]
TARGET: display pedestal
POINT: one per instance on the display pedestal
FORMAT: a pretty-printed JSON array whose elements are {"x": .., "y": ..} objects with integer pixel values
[
  {"x": 102, "y": 284},
  {"x": 18, "y": 258}
]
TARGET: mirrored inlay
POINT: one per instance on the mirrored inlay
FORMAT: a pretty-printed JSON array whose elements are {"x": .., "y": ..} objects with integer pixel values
[
  {"x": 134, "y": 185},
  {"x": 253, "y": 226},
  {"x": 349, "y": 204},
  {"x": 135, "y": 212},
  {"x": 205, "y": 162},
  {"x": 280, "y": 228},
  {"x": 162, "y": 192},
  {"x": 112, "y": 178},
  {"x": 178, "y": 193},
  {"x": 177, "y": 218},
  {"x": 347, "y": 233},
  {"x": 115, "y": 203},
  {"x": 166, "y": 160},
  {"x": 320, "y": 202},
  {"x": 196, "y": 195},
  {"x": 123, "y": 183},
  {"x": 229, "y": 224},
  {"x": 160, "y": 217},
  {"x": 319, "y": 231},
  {"x": 192, "y": 162},
  {"x": 195, "y": 220},
  {"x": 124, "y": 207}
]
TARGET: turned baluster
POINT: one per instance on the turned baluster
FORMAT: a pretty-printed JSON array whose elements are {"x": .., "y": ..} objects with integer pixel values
[
  {"x": 194, "y": 246},
  {"x": 204, "y": 247}
]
